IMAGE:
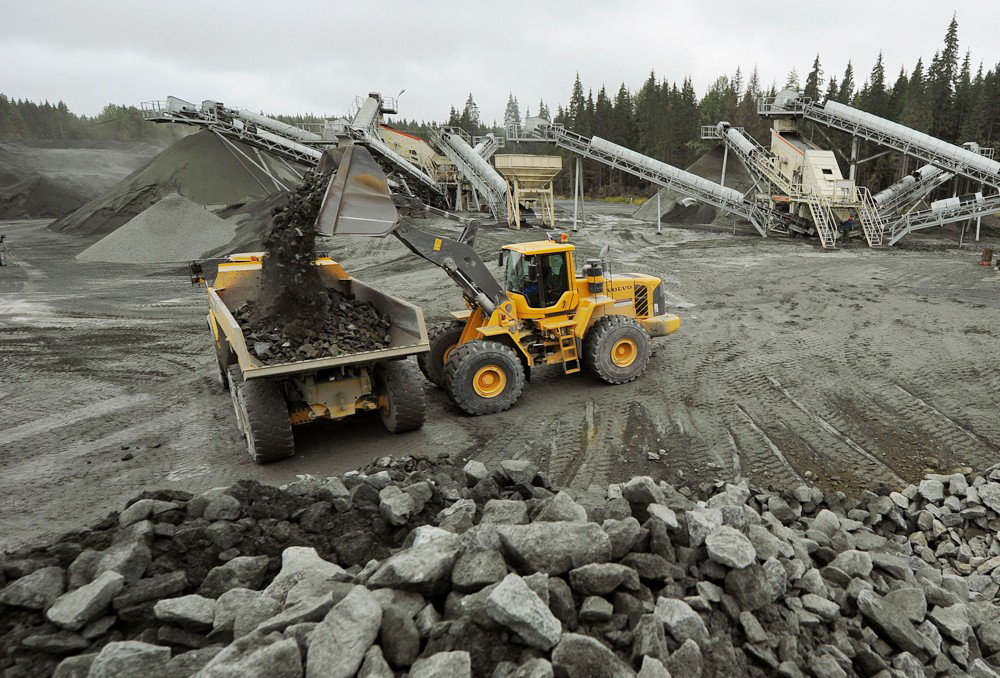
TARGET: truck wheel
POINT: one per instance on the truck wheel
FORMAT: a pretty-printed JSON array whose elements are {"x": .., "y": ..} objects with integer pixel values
[
  {"x": 442, "y": 338},
  {"x": 483, "y": 377},
  {"x": 616, "y": 349},
  {"x": 263, "y": 417},
  {"x": 402, "y": 394}
]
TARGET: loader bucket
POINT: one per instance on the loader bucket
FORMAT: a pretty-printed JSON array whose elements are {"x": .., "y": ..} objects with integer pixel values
[{"x": 358, "y": 201}]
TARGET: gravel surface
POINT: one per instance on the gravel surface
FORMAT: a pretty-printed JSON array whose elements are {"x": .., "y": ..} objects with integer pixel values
[
  {"x": 850, "y": 369},
  {"x": 172, "y": 230}
]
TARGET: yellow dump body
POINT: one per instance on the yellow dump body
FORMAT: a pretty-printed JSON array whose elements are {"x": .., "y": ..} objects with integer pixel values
[{"x": 236, "y": 282}]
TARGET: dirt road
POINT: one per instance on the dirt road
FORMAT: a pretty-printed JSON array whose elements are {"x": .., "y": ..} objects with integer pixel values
[{"x": 851, "y": 367}]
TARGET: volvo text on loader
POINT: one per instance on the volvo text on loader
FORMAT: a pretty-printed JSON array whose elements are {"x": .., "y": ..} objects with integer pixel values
[{"x": 543, "y": 314}]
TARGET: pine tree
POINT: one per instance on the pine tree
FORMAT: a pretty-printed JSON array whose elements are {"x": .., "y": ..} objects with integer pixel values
[
  {"x": 792, "y": 80},
  {"x": 814, "y": 81},
  {"x": 845, "y": 94},
  {"x": 942, "y": 77},
  {"x": 512, "y": 114},
  {"x": 543, "y": 110},
  {"x": 469, "y": 120},
  {"x": 916, "y": 106}
]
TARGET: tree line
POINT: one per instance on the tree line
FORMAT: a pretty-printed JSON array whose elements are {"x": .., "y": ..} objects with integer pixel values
[
  {"x": 22, "y": 120},
  {"x": 950, "y": 98}
]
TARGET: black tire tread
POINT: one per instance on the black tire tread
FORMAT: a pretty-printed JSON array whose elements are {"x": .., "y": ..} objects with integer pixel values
[
  {"x": 436, "y": 377},
  {"x": 407, "y": 403},
  {"x": 267, "y": 419},
  {"x": 467, "y": 351},
  {"x": 592, "y": 345}
]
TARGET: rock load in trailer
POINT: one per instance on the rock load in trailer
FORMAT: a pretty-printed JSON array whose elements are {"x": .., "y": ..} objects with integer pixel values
[{"x": 172, "y": 230}]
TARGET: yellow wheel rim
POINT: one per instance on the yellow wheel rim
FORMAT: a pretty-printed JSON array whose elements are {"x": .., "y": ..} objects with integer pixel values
[
  {"x": 624, "y": 352},
  {"x": 489, "y": 381},
  {"x": 447, "y": 352}
]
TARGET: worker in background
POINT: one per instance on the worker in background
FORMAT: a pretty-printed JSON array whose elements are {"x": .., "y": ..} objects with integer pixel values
[
  {"x": 4, "y": 250},
  {"x": 847, "y": 226}
]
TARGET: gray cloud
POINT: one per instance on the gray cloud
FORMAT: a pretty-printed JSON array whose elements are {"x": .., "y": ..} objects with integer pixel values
[{"x": 316, "y": 56}]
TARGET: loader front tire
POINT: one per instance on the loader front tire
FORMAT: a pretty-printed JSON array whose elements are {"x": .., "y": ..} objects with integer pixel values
[
  {"x": 403, "y": 406},
  {"x": 484, "y": 377},
  {"x": 616, "y": 349},
  {"x": 442, "y": 338},
  {"x": 262, "y": 413}
]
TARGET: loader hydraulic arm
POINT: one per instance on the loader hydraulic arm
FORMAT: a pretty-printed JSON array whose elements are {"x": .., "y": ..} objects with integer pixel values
[{"x": 459, "y": 261}]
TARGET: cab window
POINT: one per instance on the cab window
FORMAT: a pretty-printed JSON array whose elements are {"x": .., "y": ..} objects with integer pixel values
[
  {"x": 554, "y": 279},
  {"x": 542, "y": 279}
]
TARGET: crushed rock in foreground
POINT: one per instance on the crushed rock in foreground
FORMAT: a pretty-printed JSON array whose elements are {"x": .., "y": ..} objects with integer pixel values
[{"x": 420, "y": 568}]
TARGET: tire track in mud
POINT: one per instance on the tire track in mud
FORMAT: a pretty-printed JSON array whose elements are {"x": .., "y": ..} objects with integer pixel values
[{"x": 872, "y": 462}]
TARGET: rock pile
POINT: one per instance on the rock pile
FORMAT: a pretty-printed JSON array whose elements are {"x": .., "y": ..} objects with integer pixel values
[
  {"x": 348, "y": 326},
  {"x": 427, "y": 569}
]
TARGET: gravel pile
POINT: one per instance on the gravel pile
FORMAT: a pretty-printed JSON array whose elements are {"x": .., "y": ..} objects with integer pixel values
[
  {"x": 201, "y": 167},
  {"x": 172, "y": 230},
  {"x": 348, "y": 326},
  {"x": 426, "y": 569}
]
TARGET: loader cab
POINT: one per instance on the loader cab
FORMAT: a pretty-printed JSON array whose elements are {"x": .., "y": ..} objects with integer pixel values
[{"x": 540, "y": 275}]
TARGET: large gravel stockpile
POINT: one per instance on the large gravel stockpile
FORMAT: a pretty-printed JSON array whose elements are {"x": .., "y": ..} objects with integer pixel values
[
  {"x": 52, "y": 179},
  {"x": 172, "y": 230},
  {"x": 708, "y": 166},
  {"x": 200, "y": 167},
  {"x": 421, "y": 568}
]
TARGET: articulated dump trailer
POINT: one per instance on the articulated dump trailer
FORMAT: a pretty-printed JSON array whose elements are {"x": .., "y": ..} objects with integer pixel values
[{"x": 271, "y": 398}]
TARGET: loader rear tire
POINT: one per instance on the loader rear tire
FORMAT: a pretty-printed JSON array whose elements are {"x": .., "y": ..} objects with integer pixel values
[
  {"x": 616, "y": 349},
  {"x": 263, "y": 417},
  {"x": 402, "y": 394},
  {"x": 442, "y": 338},
  {"x": 484, "y": 377}
]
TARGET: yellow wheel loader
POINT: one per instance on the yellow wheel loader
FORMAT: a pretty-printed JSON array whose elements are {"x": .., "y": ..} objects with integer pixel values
[{"x": 543, "y": 314}]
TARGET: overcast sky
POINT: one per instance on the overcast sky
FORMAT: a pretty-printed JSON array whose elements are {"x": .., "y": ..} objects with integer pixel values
[{"x": 314, "y": 57}]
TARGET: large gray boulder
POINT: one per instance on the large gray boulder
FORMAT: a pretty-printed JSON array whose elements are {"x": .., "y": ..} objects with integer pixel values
[
  {"x": 891, "y": 623},
  {"x": 256, "y": 656},
  {"x": 681, "y": 621},
  {"x": 37, "y": 590},
  {"x": 400, "y": 637},
  {"x": 514, "y": 605},
  {"x": 193, "y": 612},
  {"x": 129, "y": 658},
  {"x": 584, "y": 657},
  {"x": 245, "y": 572},
  {"x": 299, "y": 564},
  {"x": 338, "y": 645},
  {"x": 476, "y": 569},
  {"x": 74, "y": 609},
  {"x": 598, "y": 579},
  {"x": 424, "y": 568},
  {"x": 562, "y": 508},
  {"x": 555, "y": 548},
  {"x": 443, "y": 665},
  {"x": 730, "y": 547}
]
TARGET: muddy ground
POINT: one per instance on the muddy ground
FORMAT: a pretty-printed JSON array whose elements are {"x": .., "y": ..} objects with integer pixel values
[{"x": 852, "y": 367}]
